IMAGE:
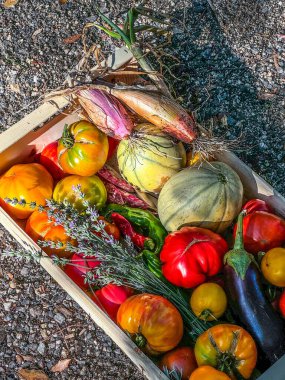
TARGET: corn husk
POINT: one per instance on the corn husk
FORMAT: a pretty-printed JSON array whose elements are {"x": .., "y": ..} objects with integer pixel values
[{"x": 106, "y": 112}]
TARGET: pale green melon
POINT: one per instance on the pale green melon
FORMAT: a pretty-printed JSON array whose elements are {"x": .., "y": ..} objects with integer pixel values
[
  {"x": 150, "y": 158},
  {"x": 208, "y": 196}
]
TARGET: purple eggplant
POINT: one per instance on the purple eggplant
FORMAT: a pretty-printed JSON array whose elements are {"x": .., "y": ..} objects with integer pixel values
[{"x": 248, "y": 302}]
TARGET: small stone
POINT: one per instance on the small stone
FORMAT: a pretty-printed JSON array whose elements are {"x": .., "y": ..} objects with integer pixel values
[
  {"x": 7, "y": 306},
  {"x": 41, "y": 348},
  {"x": 24, "y": 271},
  {"x": 59, "y": 318}
]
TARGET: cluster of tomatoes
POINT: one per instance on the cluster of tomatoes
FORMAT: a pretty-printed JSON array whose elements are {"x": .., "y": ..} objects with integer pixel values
[{"x": 61, "y": 166}]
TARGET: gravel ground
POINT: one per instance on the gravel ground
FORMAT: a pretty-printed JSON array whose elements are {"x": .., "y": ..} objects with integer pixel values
[{"x": 231, "y": 73}]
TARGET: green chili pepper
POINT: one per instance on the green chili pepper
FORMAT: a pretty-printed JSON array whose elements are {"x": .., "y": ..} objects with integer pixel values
[{"x": 146, "y": 221}]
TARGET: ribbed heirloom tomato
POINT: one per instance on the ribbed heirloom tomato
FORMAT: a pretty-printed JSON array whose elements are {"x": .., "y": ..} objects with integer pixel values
[
  {"x": 207, "y": 372},
  {"x": 31, "y": 182},
  {"x": 152, "y": 321},
  {"x": 40, "y": 227},
  {"x": 228, "y": 348},
  {"x": 191, "y": 255},
  {"x": 82, "y": 149}
]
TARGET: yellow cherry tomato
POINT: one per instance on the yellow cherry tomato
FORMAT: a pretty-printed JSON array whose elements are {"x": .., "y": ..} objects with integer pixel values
[
  {"x": 208, "y": 373},
  {"x": 273, "y": 266},
  {"x": 208, "y": 301}
]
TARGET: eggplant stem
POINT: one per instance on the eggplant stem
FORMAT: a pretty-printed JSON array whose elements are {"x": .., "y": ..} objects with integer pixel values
[{"x": 239, "y": 233}]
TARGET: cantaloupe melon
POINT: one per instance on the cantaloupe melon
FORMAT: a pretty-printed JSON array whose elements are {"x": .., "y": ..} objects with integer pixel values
[{"x": 208, "y": 195}]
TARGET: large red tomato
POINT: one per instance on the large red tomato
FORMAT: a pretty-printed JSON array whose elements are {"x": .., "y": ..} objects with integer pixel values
[
  {"x": 31, "y": 182},
  {"x": 82, "y": 149},
  {"x": 40, "y": 227},
  {"x": 48, "y": 158},
  {"x": 191, "y": 255},
  {"x": 153, "y": 322}
]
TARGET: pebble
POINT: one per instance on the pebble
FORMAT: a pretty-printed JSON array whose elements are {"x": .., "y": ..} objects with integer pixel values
[{"x": 59, "y": 318}]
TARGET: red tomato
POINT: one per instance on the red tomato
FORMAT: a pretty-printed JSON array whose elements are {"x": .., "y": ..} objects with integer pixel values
[
  {"x": 48, "y": 158},
  {"x": 256, "y": 205},
  {"x": 106, "y": 296},
  {"x": 113, "y": 143},
  {"x": 191, "y": 255},
  {"x": 181, "y": 359},
  {"x": 116, "y": 294},
  {"x": 282, "y": 304},
  {"x": 262, "y": 231},
  {"x": 78, "y": 267}
]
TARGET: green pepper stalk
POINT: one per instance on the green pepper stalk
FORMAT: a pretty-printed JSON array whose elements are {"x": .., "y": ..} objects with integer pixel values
[{"x": 147, "y": 222}]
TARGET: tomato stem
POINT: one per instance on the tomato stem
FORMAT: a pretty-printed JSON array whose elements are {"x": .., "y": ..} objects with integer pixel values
[
  {"x": 140, "y": 340},
  {"x": 67, "y": 138}
]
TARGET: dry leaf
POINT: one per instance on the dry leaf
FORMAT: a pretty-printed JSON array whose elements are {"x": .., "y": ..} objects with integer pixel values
[
  {"x": 9, "y": 274},
  {"x": 266, "y": 95},
  {"x": 276, "y": 61},
  {"x": 72, "y": 39},
  {"x": 10, "y": 3},
  {"x": 32, "y": 374},
  {"x": 61, "y": 365},
  {"x": 36, "y": 32},
  {"x": 62, "y": 2}
]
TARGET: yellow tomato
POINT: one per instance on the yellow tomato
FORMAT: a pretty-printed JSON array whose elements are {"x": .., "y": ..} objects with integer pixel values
[
  {"x": 273, "y": 266},
  {"x": 208, "y": 301},
  {"x": 92, "y": 187},
  {"x": 31, "y": 182},
  {"x": 208, "y": 373}
]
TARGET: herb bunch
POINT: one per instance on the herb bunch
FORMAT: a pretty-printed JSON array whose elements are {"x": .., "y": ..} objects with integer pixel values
[{"x": 120, "y": 262}]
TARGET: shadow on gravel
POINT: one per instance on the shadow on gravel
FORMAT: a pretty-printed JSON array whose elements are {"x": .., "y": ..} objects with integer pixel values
[{"x": 220, "y": 86}]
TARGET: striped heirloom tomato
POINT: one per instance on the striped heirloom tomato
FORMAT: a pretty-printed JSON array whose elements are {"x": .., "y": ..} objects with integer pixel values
[
  {"x": 82, "y": 149},
  {"x": 228, "y": 348},
  {"x": 153, "y": 322}
]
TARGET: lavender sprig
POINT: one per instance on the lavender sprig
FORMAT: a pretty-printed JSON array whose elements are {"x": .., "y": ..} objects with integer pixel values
[{"x": 120, "y": 263}]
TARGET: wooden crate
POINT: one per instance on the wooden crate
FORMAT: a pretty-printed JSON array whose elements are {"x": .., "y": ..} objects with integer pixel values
[{"x": 29, "y": 136}]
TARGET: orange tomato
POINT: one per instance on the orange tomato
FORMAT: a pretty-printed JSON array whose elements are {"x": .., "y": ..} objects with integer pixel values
[
  {"x": 181, "y": 359},
  {"x": 40, "y": 227},
  {"x": 82, "y": 149},
  {"x": 31, "y": 182},
  {"x": 273, "y": 266},
  {"x": 153, "y": 322},
  {"x": 229, "y": 344},
  {"x": 111, "y": 228},
  {"x": 208, "y": 373}
]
